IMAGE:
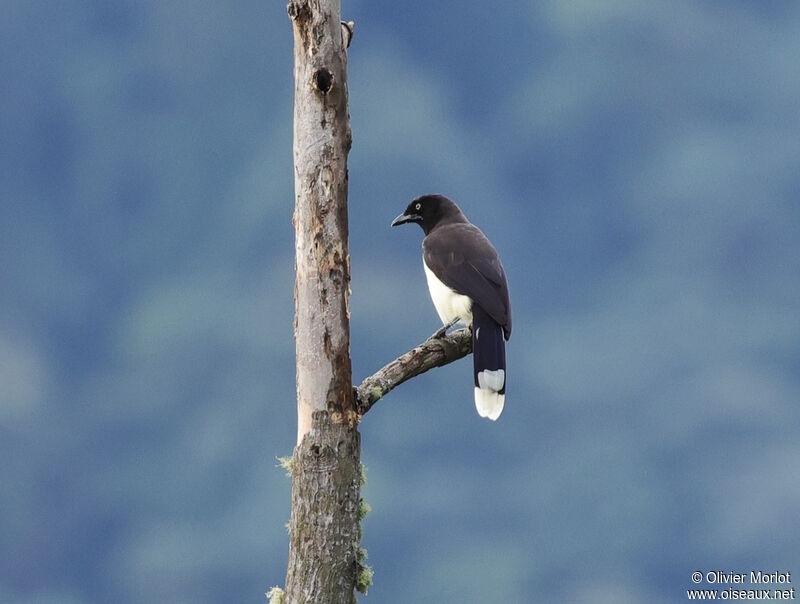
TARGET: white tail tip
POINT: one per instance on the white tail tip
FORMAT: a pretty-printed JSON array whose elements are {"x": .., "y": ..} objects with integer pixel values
[{"x": 489, "y": 403}]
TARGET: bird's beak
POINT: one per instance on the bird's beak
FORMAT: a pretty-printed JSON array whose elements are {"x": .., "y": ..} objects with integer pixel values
[{"x": 404, "y": 218}]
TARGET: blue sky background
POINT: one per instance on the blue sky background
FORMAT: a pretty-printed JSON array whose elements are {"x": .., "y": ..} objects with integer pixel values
[{"x": 637, "y": 165}]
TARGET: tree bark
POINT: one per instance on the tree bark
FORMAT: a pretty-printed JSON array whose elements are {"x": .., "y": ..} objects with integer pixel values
[
  {"x": 324, "y": 526},
  {"x": 324, "y": 536},
  {"x": 321, "y": 143}
]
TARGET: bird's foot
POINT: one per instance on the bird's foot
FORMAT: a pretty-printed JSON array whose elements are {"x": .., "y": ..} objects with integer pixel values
[{"x": 440, "y": 333}]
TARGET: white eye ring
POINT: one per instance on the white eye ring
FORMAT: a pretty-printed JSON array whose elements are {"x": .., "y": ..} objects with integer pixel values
[{"x": 418, "y": 206}]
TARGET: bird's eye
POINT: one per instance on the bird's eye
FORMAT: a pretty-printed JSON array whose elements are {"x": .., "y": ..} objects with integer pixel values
[{"x": 418, "y": 206}]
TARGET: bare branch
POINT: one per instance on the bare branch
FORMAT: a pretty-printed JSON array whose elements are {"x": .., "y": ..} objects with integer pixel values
[{"x": 436, "y": 351}]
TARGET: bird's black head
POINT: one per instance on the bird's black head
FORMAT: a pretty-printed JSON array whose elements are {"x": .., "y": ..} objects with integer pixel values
[{"x": 429, "y": 211}]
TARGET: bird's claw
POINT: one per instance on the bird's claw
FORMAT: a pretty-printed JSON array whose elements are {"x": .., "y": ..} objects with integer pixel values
[{"x": 440, "y": 333}]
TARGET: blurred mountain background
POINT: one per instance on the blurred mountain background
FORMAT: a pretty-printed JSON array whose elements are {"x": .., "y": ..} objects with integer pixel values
[{"x": 637, "y": 165}]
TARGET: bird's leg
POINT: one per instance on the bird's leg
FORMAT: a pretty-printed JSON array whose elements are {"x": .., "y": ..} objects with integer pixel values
[{"x": 441, "y": 332}]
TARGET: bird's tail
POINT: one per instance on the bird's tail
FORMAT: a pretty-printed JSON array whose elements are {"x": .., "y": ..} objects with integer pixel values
[{"x": 489, "y": 359}]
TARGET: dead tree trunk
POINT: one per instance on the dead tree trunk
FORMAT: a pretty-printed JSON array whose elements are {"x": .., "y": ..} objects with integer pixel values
[
  {"x": 321, "y": 144},
  {"x": 324, "y": 539},
  {"x": 325, "y": 557}
]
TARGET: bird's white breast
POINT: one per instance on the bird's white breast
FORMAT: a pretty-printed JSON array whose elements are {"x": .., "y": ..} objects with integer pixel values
[{"x": 448, "y": 303}]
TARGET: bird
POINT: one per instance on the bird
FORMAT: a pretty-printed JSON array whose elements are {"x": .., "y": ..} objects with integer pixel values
[{"x": 468, "y": 285}]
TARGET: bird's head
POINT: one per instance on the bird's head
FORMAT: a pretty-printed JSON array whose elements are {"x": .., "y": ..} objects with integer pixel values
[{"x": 430, "y": 210}]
